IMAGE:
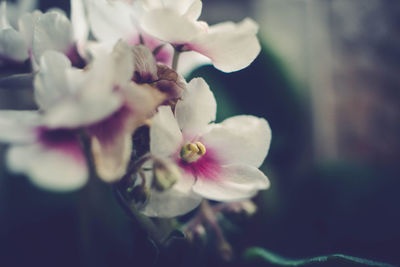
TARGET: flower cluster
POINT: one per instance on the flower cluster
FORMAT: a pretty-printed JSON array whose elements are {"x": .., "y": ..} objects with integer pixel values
[{"x": 112, "y": 98}]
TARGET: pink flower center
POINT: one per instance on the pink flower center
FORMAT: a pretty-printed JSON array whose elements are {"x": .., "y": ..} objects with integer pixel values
[{"x": 195, "y": 160}]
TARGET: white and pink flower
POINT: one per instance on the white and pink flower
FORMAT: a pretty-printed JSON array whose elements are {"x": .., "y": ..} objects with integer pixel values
[
  {"x": 38, "y": 33},
  {"x": 217, "y": 161},
  {"x": 229, "y": 46},
  {"x": 101, "y": 101}
]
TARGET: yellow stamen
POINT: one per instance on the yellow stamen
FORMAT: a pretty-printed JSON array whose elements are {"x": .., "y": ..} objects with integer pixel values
[
  {"x": 202, "y": 148},
  {"x": 192, "y": 151}
]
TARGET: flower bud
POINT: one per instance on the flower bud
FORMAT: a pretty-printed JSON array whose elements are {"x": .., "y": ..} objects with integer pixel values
[
  {"x": 249, "y": 207},
  {"x": 145, "y": 65},
  {"x": 165, "y": 174}
]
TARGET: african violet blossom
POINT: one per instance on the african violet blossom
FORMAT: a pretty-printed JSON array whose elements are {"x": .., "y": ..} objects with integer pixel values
[
  {"x": 102, "y": 101},
  {"x": 229, "y": 46},
  {"x": 216, "y": 161},
  {"x": 38, "y": 32}
]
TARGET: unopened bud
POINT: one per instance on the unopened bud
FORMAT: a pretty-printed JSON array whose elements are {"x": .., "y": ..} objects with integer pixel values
[
  {"x": 145, "y": 65},
  {"x": 166, "y": 174},
  {"x": 249, "y": 207}
]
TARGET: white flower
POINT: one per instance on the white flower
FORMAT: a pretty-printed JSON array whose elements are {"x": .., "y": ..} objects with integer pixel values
[
  {"x": 54, "y": 31},
  {"x": 229, "y": 46},
  {"x": 38, "y": 33},
  {"x": 101, "y": 100},
  {"x": 113, "y": 20},
  {"x": 217, "y": 161},
  {"x": 51, "y": 158}
]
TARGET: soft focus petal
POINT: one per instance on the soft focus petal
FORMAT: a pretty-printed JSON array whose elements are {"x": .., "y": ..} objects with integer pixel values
[
  {"x": 197, "y": 107},
  {"x": 179, "y": 6},
  {"x": 175, "y": 201},
  {"x": 12, "y": 43},
  {"x": 111, "y": 20},
  {"x": 122, "y": 63},
  {"x": 26, "y": 26},
  {"x": 51, "y": 84},
  {"x": 230, "y": 46},
  {"x": 236, "y": 182},
  {"x": 169, "y": 26},
  {"x": 18, "y": 126},
  {"x": 165, "y": 135},
  {"x": 112, "y": 145},
  {"x": 53, "y": 31},
  {"x": 13, "y": 46},
  {"x": 17, "y": 8},
  {"x": 50, "y": 168},
  {"x": 4, "y": 23},
  {"x": 240, "y": 139},
  {"x": 111, "y": 138},
  {"x": 194, "y": 10},
  {"x": 79, "y": 22},
  {"x": 72, "y": 114},
  {"x": 96, "y": 91},
  {"x": 189, "y": 61}
]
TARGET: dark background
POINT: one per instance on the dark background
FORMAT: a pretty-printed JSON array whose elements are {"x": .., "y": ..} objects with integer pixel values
[{"x": 333, "y": 106}]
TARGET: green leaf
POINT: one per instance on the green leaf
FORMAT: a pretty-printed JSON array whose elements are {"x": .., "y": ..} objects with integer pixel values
[{"x": 257, "y": 253}]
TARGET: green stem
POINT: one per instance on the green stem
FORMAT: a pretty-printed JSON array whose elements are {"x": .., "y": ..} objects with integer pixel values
[{"x": 143, "y": 221}]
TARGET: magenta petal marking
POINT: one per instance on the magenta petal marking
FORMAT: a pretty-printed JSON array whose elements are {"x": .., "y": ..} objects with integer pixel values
[
  {"x": 63, "y": 140},
  {"x": 208, "y": 167},
  {"x": 110, "y": 128},
  {"x": 75, "y": 58}
]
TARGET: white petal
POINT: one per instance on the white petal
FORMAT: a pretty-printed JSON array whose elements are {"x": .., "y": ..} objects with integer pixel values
[
  {"x": 71, "y": 113},
  {"x": 237, "y": 181},
  {"x": 47, "y": 168},
  {"x": 111, "y": 20},
  {"x": 165, "y": 135},
  {"x": 26, "y": 5},
  {"x": 79, "y": 22},
  {"x": 181, "y": 7},
  {"x": 18, "y": 126},
  {"x": 240, "y": 139},
  {"x": 53, "y": 31},
  {"x": 17, "y": 8},
  {"x": 123, "y": 63},
  {"x": 4, "y": 24},
  {"x": 26, "y": 25},
  {"x": 189, "y": 61},
  {"x": 93, "y": 97},
  {"x": 194, "y": 10},
  {"x": 51, "y": 84},
  {"x": 176, "y": 201},
  {"x": 169, "y": 26},
  {"x": 12, "y": 45},
  {"x": 197, "y": 107},
  {"x": 112, "y": 145},
  {"x": 230, "y": 46}
]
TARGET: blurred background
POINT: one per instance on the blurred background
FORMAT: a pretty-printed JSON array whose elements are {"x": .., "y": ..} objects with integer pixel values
[{"x": 328, "y": 82}]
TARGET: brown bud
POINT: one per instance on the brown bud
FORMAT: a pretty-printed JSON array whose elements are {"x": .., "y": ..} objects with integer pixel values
[{"x": 145, "y": 65}]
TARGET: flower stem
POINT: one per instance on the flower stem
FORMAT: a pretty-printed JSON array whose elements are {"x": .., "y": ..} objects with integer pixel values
[
  {"x": 144, "y": 222},
  {"x": 175, "y": 59}
]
